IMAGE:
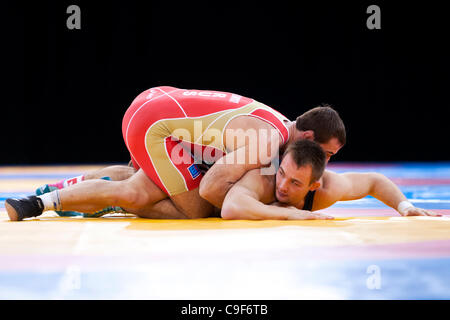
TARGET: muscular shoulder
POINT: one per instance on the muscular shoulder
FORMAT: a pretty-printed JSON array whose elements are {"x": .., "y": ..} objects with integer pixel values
[
  {"x": 330, "y": 181},
  {"x": 330, "y": 190},
  {"x": 261, "y": 186},
  {"x": 249, "y": 129}
]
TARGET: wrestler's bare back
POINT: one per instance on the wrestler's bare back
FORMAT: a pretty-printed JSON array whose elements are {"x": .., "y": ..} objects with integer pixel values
[{"x": 232, "y": 135}]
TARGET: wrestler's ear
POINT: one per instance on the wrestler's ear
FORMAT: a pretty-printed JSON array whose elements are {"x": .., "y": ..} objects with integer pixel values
[
  {"x": 315, "y": 185},
  {"x": 308, "y": 135}
]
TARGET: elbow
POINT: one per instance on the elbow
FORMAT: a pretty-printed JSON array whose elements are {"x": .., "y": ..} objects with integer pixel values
[
  {"x": 211, "y": 195},
  {"x": 230, "y": 211},
  {"x": 376, "y": 179},
  {"x": 214, "y": 193},
  {"x": 206, "y": 190},
  {"x": 376, "y": 175},
  {"x": 203, "y": 190},
  {"x": 236, "y": 207}
]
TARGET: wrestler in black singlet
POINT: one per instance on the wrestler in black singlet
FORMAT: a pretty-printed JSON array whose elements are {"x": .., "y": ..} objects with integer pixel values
[{"x": 309, "y": 199}]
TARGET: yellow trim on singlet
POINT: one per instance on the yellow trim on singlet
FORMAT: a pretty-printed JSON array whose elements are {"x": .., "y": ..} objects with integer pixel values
[{"x": 205, "y": 130}]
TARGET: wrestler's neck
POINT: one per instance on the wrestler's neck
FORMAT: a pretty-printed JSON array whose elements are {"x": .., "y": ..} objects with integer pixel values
[{"x": 294, "y": 135}]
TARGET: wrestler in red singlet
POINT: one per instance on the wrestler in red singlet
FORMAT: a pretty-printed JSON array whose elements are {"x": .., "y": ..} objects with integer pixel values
[{"x": 163, "y": 120}]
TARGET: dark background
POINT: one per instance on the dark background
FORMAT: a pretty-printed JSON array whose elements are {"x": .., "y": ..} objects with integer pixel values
[{"x": 64, "y": 92}]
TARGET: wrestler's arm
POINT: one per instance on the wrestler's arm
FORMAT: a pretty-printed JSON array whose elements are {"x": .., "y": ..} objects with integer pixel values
[
  {"x": 246, "y": 200},
  {"x": 232, "y": 167},
  {"x": 352, "y": 186}
]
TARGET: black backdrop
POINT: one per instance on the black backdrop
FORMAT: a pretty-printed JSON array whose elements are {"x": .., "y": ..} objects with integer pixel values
[{"x": 64, "y": 91}]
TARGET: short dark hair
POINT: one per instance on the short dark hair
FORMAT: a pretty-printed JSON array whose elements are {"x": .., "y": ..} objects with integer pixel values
[
  {"x": 306, "y": 152},
  {"x": 325, "y": 122}
]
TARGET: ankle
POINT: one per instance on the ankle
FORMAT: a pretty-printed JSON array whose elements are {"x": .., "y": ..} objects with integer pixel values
[{"x": 51, "y": 201}]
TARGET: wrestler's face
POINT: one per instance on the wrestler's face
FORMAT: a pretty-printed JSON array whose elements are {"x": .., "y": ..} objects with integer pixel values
[
  {"x": 331, "y": 147},
  {"x": 293, "y": 183}
]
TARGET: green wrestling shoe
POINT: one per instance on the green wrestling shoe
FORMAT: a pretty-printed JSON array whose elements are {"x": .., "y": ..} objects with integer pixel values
[
  {"x": 102, "y": 212},
  {"x": 46, "y": 188}
]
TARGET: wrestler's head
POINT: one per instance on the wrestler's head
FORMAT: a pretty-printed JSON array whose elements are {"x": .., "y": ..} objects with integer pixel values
[
  {"x": 299, "y": 172},
  {"x": 324, "y": 126}
]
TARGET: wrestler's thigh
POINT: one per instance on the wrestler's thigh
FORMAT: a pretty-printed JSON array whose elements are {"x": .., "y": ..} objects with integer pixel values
[
  {"x": 164, "y": 209},
  {"x": 142, "y": 190}
]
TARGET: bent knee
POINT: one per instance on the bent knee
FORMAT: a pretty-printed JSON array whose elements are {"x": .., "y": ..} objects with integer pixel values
[
  {"x": 120, "y": 173},
  {"x": 129, "y": 196}
]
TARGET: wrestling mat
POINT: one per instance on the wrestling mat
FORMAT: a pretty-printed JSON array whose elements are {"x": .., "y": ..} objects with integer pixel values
[{"x": 367, "y": 252}]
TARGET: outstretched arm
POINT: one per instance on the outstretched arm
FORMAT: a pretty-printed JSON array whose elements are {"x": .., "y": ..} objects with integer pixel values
[
  {"x": 246, "y": 198},
  {"x": 352, "y": 186}
]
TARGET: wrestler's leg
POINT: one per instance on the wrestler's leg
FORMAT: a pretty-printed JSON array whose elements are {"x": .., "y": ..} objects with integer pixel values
[
  {"x": 164, "y": 209},
  {"x": 138, "y": 195},
  {"x": 192, "y": 205},
  {"x": 187, "y": 205},
  {"x": 116, "y": 173},
  {"x": 94, "y": 195}
]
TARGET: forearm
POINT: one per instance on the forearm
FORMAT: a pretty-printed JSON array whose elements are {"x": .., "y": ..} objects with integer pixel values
[
  {"x": 215, "y": 184},
  {"x": 218, "y": 181},
  {"x": 244, "y": 207},
  {"x": 386, "y": 191},
  {"x": 352, "y": 186}
]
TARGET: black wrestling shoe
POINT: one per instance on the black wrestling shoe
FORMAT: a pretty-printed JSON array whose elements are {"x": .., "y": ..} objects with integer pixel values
[{"x": 19, "y": 209}]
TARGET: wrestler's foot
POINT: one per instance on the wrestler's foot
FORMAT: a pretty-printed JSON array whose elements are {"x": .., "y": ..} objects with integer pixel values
[
  {"x": 19, "y": 209},
  {"x": 96, "y": 214},
  {"x": 102, "y": 212},
  {"x": 46, "y": 188}
]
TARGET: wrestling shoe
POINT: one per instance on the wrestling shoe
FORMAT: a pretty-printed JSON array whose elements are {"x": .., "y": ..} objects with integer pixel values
[
  {"x": 46, "y": 188},
  {"x": 19, "y": 209},
  {"x": 102, "y": 212}
]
